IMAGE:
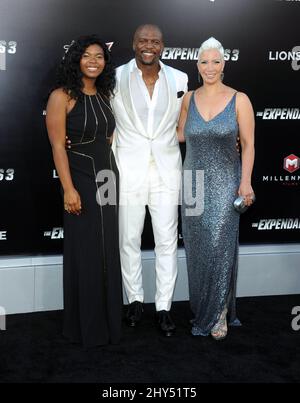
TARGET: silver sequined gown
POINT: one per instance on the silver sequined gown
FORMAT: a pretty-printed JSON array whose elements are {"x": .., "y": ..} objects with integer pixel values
[{"x": 211, "y": 239}]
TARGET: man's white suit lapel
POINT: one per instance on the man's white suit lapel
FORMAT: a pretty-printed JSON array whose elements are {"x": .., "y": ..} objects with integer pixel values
[
  {"x": 125, "y": 91},
  {"x": 171, "y": 85},
  {"x": 127, "y": 98}
]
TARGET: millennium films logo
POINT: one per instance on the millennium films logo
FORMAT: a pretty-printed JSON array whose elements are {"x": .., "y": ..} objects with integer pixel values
[
  {"x": 6, "y": 48},
  {"x": 279, "y": 114},
  {"x": 192, "y": 54},
  {"x": 292, "y": 56},
  {"x": 7, "y": 174},
  {"x": 55, "y": 233},
  {"x": 269, "y": 224},
  {"x": 291, "y": 164}
]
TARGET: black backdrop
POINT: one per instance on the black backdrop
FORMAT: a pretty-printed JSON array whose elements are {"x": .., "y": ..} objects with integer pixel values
[{"x": 262, "y": 43}]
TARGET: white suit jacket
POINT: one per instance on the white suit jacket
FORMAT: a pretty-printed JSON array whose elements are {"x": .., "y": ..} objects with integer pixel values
[{"x": 132, "y": 145}]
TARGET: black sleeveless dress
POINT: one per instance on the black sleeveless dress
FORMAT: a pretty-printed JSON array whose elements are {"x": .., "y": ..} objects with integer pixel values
[{"x": 92, "y": 274}]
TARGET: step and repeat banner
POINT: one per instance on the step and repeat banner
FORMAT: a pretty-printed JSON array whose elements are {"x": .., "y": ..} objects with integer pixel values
[{"x": 262, "y": 43}]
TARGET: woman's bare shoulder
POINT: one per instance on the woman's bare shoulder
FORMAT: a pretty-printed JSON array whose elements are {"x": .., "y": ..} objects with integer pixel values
[{"x": 59, "y": 94}]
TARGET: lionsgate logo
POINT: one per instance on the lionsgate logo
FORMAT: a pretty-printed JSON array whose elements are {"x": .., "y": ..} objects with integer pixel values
[
  {"x": 3, "y": 235},
  {"x": 287, "y": 55},
  {"x": 284, "y": 55},
  {"x": 55, "y": 233},
  {"x": 291, "y": 164},
  {"x": 279, "y": 114},
  {"x": 193, "y": 53},
  {"x": 268, "y": 224}
]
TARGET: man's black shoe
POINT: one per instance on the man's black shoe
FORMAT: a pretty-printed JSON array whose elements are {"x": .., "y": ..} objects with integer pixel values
[
  {"x": 165, "y": 323},
  {"x": 134, "y": 313}
]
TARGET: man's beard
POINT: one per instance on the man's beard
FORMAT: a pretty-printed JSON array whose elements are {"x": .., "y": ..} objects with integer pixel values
[{"x": 155, "y": 60}]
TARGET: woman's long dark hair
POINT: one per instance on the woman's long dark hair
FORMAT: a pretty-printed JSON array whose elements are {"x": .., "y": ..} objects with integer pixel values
[{"x": 69, "y": 75}]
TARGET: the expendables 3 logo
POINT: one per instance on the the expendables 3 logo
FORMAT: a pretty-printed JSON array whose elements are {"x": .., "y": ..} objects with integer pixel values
[
  {"x": 3, "y": 235},
  {"x": 6, "y": 47},
  {"x": 55, "y": 233},
  {"x": 7, "y": 174},
  {"x": 267, "y": 224},
  {"x": 279, "y": 114},
  {"x": 192, "y": 54}
]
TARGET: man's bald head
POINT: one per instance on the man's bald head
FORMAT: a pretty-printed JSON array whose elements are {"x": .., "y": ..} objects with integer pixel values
[{"x": 142, "y": 27}]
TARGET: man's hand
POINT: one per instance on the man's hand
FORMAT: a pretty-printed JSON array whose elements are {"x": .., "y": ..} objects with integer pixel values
[
  {"x": 68, "y": 143},
  {"x": 237, "y": 144}
]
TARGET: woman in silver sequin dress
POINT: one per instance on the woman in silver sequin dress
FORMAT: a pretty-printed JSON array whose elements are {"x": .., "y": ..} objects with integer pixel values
[
  {"x": 79, "y": 107},
  {"x": 211, "y": 118}
]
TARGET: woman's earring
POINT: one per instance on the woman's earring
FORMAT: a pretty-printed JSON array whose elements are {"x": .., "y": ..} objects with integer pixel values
[
  {"x": 222, "y": 75},
  {"x": 199, "y": 78}
]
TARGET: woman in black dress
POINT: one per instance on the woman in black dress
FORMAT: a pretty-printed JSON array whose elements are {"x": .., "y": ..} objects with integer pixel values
[{"x": 79, "y": 108}]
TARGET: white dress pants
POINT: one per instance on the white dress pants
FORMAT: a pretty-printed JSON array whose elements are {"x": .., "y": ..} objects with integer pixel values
[{"x": 163, "y": 207}]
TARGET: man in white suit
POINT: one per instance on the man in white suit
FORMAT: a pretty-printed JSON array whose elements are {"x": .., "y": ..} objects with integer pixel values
[{"x": 146, "y": 106}]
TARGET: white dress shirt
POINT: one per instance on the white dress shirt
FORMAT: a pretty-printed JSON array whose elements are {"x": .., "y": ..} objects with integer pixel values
[{"x": 149, "y": 110}]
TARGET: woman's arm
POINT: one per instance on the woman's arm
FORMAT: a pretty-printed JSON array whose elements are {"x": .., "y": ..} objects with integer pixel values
[
  {"x": 183, "y": 116},
  {"x": 56, "y": 127},
  {"x": 246, "y": 122}
]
